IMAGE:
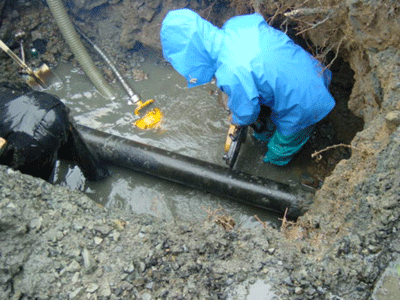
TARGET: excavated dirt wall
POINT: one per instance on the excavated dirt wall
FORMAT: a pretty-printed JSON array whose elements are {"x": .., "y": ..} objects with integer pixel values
[{"x": 362, "y": 33}]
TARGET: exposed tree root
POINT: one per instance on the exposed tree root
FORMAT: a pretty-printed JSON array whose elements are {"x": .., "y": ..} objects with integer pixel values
[{"x": 317, "y": 154}]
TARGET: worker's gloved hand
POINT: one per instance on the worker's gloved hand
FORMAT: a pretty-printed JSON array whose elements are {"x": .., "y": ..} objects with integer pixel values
[
  {"x": 258, "y": 126},
  {"x": 263, "y": 129}
]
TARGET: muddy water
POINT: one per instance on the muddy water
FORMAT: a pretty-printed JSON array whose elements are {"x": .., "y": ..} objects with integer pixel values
[{"x": 194, "y": 125}]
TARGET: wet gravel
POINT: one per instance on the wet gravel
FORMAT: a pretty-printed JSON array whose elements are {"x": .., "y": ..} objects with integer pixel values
[{"x": 59, "y": 244}]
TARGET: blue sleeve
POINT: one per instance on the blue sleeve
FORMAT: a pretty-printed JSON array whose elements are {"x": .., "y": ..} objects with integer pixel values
[{"x": 242, "y": 93}]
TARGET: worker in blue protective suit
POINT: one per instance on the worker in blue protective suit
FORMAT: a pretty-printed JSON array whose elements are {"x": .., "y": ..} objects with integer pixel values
[{"x": 255, "y": 65}]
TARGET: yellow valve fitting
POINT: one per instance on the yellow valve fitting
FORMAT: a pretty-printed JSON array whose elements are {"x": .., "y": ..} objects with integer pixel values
[
  {"x": 150, "y": 120},
  {"x": 141, "y": 104}
]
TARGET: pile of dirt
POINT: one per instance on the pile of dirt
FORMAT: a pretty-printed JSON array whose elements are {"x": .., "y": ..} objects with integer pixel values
[{"x": 56, "y": 243}]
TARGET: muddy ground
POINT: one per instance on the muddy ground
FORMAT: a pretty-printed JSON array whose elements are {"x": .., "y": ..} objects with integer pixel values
[{"x": 58, "y": 244}]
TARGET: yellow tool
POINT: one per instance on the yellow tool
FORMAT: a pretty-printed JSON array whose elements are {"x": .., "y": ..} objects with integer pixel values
[
  {"x": 152, "y": 119},
  {"x": 228, "y": 142},
  {"x": 235, "y": 138}
]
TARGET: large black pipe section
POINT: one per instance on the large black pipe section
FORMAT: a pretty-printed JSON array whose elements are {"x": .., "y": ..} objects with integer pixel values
[{"x": 198, "y": 174}]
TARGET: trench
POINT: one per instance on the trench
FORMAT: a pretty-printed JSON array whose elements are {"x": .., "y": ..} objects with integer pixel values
[
  {"x": 184, "y": 130},
  {"x": 194, "y": 125}
]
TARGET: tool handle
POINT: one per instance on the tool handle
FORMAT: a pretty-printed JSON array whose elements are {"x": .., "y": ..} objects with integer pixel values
[
  {"x": 235, "y": 138},
  {"x": 23, "y": 65}
]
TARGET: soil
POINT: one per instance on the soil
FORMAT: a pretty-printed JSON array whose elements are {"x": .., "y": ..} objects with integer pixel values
[{"x": 58, "y": 244}]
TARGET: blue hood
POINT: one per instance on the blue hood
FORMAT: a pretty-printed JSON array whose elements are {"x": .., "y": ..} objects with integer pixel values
[{"x": 191, "y": 44}]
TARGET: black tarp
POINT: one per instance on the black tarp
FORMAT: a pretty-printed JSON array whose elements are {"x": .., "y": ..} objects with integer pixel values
[{"x": 38, "y": 130}]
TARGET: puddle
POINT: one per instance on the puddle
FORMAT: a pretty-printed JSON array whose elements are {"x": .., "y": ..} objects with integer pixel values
[
  {"x": 194, "y": 125},
  {"x": 259, "y": 290}
]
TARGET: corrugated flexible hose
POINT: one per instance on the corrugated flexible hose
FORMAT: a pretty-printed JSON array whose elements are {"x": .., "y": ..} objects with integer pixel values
[{"x": 82, "y": 56}]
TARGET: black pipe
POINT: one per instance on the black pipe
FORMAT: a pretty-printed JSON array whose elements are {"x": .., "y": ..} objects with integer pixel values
[{"x": 198, "y": 174}]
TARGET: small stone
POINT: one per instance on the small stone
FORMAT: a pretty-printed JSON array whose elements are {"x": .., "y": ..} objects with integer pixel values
[
  {"x": 146, "y": 296},
  {"x": 92, "y": 288},
  {"x": 78, "y": 227},
  {"x": 88, "y": 261},
  {"x": 4, "y": 202},
  {"x": 86, "y": 258},
  {"x": 76, "y": 294},
  {"x": 99, "y": 272},
  {"x": 373, "y": 249},
  {"x": 22, "y": 229},
  {"x": 10, "y": 171},
  {"x": 105, "y": 290},
  {"x": 116, "y": 235},
  {"x": 149, "y": 285},
  {"x": 288, "y": 281},
  {"x": 74, "y": 266},
  {"x": 393, "y": 119},
  {"x": 75, "y": 278},
  {"x": 104, "y": 229},
  {"x": 298, "y": 290},
  {"x": 142, "y": 266},
  {"x": 75, "y": 253},
  {"x": 311, "y": 291},
  {"x": 321, "y": 290},
  {"x": 98, "y": 240},
  {"x": 59, "y": 235},
  {"x": 271, "y": 250},
  {"x": 36, "y": 224},
  {"x": 129, "y": 269}
]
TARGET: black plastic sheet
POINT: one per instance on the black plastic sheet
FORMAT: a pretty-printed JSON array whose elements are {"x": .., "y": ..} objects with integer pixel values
[{"x": 37, "y": 127}]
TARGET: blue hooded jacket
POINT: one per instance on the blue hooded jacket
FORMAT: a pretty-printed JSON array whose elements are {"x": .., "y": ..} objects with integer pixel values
[{"x": 254, "y": 64}]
